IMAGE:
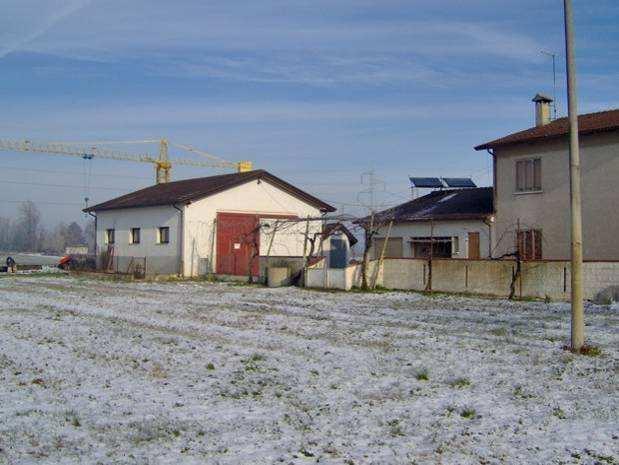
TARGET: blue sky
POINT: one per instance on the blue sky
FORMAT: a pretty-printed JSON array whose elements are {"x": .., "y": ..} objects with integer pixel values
[{"x": 315, "y": 91}]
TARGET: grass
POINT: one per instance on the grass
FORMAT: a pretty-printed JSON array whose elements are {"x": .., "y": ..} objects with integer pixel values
[
  {"x": 35, "y": 274},
  {"x": 468, "y": 413},
  {"x": 460, "y": 383},
  {"x": 251, "y": 364},
  {"x": 559, "y": 413},
  {"x": 422, "y": 375},
  {"x": 501, "y": 332},
  {"x": 586, "y": 350},
  {"x": 72, "y": 418},
  {"x": 520, "y": 393},
  {"x": 395, "y": 429}
]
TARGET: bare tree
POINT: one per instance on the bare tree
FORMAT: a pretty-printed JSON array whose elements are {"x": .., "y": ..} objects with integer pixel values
[
  {"x": 75, "y": 235},
  {"x": 89, "y": 235},
  {"x": 6, "y": 236},
  {"x": 371, "y": 226},
  {"x": 28, "y": 224}
]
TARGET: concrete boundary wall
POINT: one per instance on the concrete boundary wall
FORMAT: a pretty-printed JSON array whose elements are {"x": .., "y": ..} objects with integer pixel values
[
  {"x": 539, "y": 279},
  {"x": 341, "y": 278}
]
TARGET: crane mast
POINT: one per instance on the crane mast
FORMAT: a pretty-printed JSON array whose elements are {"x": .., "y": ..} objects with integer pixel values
[
  {"x": 91, "y": 150},
  {"x": 163, "y": 165}
]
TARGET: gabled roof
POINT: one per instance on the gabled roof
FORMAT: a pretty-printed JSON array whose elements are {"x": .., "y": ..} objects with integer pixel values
[
  {"x": 188, "y": 190},
  {"x": 451, "y": 204},
  {"x": 590, "y": 123},
  {"x": 332, "y": 228}
]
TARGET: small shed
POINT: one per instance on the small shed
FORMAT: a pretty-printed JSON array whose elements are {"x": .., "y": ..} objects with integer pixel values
[{"x": 338, "y": 242}]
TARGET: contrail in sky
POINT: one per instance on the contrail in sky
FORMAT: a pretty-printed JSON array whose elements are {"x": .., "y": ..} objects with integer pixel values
[{"x": 21, "y": 42}]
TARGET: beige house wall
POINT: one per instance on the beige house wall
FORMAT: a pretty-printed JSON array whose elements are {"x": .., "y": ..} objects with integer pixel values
[
  {"x": 548, "y": 210},
  {"x": 452, "y": 228}
]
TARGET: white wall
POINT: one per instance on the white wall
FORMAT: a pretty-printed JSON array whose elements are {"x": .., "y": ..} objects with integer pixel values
[
  {"x": 326, "y": 247},
  {"x": 441, "y": 229},
  {"x": 163, "y": 258},
  {"x": 284, "y": 238},
  {"x": 256, "y": 197}
]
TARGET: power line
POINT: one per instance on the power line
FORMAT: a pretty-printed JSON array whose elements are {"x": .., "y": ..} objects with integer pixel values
[
  {"x": 44, "y": 202},
  {"x": 70, "y": 186},
  {"x": 39, "y": 170}
]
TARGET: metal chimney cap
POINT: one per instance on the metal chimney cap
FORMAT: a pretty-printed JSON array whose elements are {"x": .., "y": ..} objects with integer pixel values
[{"x": 542, "y": 98}]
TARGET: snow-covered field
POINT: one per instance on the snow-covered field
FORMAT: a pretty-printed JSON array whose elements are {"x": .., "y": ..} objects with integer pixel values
[{"x": 101, "y": 372}]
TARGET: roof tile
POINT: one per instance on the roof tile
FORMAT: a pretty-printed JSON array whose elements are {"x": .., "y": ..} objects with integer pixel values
[
  {"x": 450, "y": 204},
  {"x": 590, "y": 123},
  {"x": 188, "y": 190}
]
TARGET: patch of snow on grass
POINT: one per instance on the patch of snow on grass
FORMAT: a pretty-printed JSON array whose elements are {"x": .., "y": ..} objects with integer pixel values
[{"x": 96, "y": 371}]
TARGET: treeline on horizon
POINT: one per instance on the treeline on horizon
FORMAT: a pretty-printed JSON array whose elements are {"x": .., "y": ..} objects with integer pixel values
[{"x": 25, "y": 233}]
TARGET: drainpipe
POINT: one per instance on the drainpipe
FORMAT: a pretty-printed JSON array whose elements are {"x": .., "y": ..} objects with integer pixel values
[
  {"x": 489, "y": 222},
  {"x": 95, "y": 217},
  {"x": 181, "y": 231}
]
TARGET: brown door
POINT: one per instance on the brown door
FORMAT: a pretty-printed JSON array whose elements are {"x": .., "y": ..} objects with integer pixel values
[
  {"x": 474, "y": 245},
  {"x": 238, "y": 241}
]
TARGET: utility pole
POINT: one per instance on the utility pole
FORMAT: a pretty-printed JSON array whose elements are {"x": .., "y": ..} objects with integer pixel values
[{"x": 578, "y": 332}]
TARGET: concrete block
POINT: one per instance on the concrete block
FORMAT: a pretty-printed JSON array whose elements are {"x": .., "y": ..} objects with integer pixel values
[{"x": 278, "y": 276}]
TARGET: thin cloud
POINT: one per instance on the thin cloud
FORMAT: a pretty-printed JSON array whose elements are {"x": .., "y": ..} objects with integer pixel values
[
  {"x": 139, "y": 28},
  {"x": 21, "y": 42}
]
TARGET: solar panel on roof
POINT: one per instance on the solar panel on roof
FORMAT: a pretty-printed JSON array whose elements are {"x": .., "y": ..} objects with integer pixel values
[
  {"x": 426, "y": 182},
  {"x": 459, "y": 182}
]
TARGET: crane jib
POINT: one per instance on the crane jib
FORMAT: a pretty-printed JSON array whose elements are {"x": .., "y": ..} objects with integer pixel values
[{"x": 161, "y": 161}]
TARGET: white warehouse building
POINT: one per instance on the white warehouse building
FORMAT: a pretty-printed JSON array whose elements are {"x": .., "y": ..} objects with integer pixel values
[{"x": 218, "y": 224}]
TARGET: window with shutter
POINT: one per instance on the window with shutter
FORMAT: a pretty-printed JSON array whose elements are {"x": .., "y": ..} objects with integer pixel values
[
  {"x": 529, "y": 244},
  {"x": 529, "y": 175}
]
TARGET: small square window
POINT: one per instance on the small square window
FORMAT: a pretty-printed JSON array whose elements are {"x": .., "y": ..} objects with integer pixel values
[
  {"x": 164, "y": 235},
  {"x": 135, "y": 236},
  {"x": 109, "y": 236}
]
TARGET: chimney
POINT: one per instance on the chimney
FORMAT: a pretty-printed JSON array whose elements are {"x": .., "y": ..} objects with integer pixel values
[{"x": 542, "y": 109}]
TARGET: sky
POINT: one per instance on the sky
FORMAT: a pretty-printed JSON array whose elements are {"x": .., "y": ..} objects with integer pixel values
[{"x": 316, "y": 91}]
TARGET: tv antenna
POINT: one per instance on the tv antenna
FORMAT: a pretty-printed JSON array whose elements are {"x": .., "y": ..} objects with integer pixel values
[{"x": 554, "y": 79}]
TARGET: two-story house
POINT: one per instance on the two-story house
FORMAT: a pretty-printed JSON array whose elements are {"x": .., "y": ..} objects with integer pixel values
[{"x": 532, "y": 189}]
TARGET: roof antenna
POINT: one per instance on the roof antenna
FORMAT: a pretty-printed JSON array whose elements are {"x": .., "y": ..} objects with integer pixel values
[{"x": 554, "y": 79}]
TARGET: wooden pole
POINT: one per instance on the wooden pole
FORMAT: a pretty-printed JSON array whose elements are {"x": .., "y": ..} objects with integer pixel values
[
  {"x": 578, "y": 332},
  {"x": 305, "y": 252},
  {"x": 431, "y": 256},
  {"x": 382, "y": 256}
]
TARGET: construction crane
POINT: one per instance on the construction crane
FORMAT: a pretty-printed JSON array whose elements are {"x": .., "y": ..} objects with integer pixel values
[{"x": 91, "y": 150}]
